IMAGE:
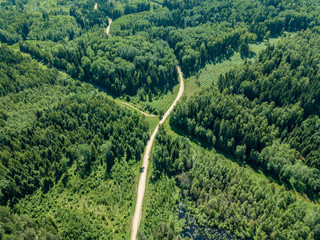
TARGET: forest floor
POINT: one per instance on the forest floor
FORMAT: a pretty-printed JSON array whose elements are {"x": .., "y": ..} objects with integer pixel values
[{"x": 143, "y": 176}]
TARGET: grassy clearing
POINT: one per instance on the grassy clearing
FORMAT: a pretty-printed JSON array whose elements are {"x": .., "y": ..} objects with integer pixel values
[
  {"x": 43, "y": 44},
  {"x": 153, "y": 122},
  {"x": 165, "y": 101},
  {"x": 256, "y": 48},
  {"x": 37, "y": 6},
  {"x": 210, "y": 74},
  {"x": 131, "y": 106},
  {"x": 191, "y": 86},
  {"x": 160, "y": 104}
]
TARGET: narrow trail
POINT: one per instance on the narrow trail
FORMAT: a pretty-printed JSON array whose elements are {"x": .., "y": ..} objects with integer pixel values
[
  {"x": 108, "y": 28},
  {"x": 109, "y": 19},
  {"x": 119, "y": 101},
  {"x": 131, "y": 106},
  {"x": 143, "y": 177}
]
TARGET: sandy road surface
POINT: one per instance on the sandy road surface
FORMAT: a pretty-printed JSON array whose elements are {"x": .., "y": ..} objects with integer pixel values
[
  {"x": 108, "y": 28},
  {"x": 143, "y": 176}
]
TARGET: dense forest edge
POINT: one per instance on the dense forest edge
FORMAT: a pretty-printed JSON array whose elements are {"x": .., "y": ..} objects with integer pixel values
[{"x": 238, "y": 158}]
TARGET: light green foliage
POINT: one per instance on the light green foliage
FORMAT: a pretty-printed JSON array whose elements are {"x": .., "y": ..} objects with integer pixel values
[
  {"x": 220, "y": 199},
  {"x": 56, "y": 28},
  {"x": 249, "y": 130},
  {"x": 165, "y": 101},
  {"x": 210, "y": 74},
  {"x": 158, "y": 104},
  {"x": 68, "y": 156},
  {"x": 161, "y": 212},
  {"x": 227, "y": 195},
  {"x": 90, "y": 208},
  {"x": 37, "y": 20},
  {"x": 283, "y": 75},
  {"x": 124, "y": 66}
]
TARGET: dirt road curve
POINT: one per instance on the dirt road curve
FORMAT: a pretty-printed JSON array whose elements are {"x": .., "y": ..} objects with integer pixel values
[
  {"x": 143, "y": 176},
  {"x": 129, "y": 105},
  {"x": 108, "y": 28}
]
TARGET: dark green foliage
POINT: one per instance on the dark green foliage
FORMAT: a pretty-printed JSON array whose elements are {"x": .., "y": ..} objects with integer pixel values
[
  {"x": 260, "y": 16},
  {"x": 74, "y": 129},
  {"x": 18, "y": 72},
  {"x": 306, "y": 139},
  {"x": 220, "y": 198},
  {"x": 167, "y": 157},
  {"x": 23, "y": 227},
  {"x": 250, "y": 131},
  {"x": 121, "y": 65},
  {"x": 285, "y": 74},
  {"x": 193, "y": 46},
  {"x": 69, "y": 156},
  {"x": 211, "y": 30},
  {"x": 57, "y": 148}
]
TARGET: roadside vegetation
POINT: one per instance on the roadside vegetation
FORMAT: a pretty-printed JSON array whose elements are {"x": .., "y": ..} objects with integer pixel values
[
  {"x": 203, "y": 195},
  {"x": 238, "y": 158},
  {"x": 68, "y": 155}
]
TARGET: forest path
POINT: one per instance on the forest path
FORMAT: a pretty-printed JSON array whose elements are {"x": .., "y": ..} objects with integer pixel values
[
  {"x": 108, "y": 28},
  {"x": 119, "y": 101},
  {"x": 145, "y": 163},
  {"x": 131, "y": 106},
  {"x": 143, "y": 176}
]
